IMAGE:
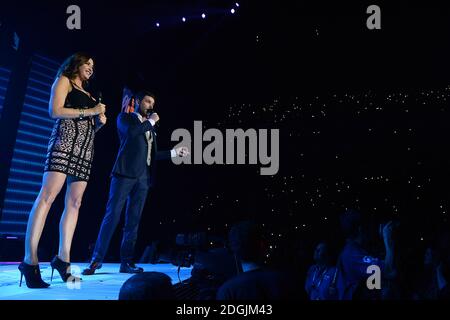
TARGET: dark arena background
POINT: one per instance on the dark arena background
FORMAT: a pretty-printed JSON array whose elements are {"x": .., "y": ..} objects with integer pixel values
[{"x": 363, "y": 118}]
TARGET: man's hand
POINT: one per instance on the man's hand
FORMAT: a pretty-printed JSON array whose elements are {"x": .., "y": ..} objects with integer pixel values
[
  {"x": 182, "y": 151},
  {"x": 154, "y": 117}
]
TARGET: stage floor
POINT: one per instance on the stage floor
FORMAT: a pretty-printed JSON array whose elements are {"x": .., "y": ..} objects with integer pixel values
[{"x": 104, "y": 285}]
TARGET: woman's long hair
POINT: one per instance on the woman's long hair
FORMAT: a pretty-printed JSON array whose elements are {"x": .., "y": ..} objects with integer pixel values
[{"x": 72, "y": 64}]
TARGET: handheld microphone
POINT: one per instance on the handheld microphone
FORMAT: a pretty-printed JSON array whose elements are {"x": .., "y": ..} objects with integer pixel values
[
  {"x": 149, "y": 113},
  {"x": 99, "y": 100}
]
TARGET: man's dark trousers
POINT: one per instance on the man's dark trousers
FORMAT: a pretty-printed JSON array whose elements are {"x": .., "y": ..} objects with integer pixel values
[{"x": 133, "y": 191}]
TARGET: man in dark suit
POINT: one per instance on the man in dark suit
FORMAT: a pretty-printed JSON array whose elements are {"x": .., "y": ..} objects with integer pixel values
[{"x": 132, "y": 176}]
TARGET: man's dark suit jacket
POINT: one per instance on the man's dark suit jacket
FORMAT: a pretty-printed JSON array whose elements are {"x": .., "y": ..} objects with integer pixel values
[{"x": 131, "y": 160}]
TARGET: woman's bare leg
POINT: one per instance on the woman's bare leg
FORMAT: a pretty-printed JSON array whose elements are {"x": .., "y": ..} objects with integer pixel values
[
  {"x": 52, "y": 183},
  {"x": 74, "y": 196}
]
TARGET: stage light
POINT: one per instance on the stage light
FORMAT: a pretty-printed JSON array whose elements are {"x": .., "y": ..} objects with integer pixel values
[
  {"x": 184, "y": 19},
  {"x": 203, "y": 15},
  {"x": 237, "y": 4},
  {"x": 233, "y": 11},
  {"x": 157, "y": 24}
]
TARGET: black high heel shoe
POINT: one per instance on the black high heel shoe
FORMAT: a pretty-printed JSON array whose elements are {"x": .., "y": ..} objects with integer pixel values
[
  {"x": 32, "y": 276},
  {"x": 62, "y": 268}
]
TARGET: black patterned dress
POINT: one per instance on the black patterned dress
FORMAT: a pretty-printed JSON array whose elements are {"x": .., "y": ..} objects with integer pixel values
[{"x": 71, "y": 146}]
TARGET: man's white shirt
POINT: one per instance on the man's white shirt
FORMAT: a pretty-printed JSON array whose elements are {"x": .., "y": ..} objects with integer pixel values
[{"x": 149, "y": 137}]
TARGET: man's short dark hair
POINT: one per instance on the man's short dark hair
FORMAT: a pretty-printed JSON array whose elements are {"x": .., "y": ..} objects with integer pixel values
[
  {"x": 147, "y": 286},
  {"x": 141, "y": 94},
  {"x": 246, "y": 240}
]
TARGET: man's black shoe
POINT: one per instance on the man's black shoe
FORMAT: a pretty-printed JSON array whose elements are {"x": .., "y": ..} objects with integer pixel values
[
  {"x": 130, "y": 267},
  {"x": 91, "y": 269}
]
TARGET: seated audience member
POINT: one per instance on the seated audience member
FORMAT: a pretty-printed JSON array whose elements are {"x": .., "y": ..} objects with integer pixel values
[
  {"x": 254, "y": 281},
  {"x": 321, "y": 278},
  {"x": 427, "y": 284},
  {"x": 443, "y": 278},
  {"x": 354, "y": 259},
  {"x": 147, "y": 286},
  {"x": 210, "y": 270}
]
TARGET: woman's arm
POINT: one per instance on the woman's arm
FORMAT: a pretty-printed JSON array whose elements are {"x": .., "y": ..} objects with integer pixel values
[{"x": 60, "y": 89}]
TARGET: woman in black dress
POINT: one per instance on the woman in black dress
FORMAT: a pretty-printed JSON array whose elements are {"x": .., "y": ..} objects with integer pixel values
[{"x": 69, "y": 158}]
